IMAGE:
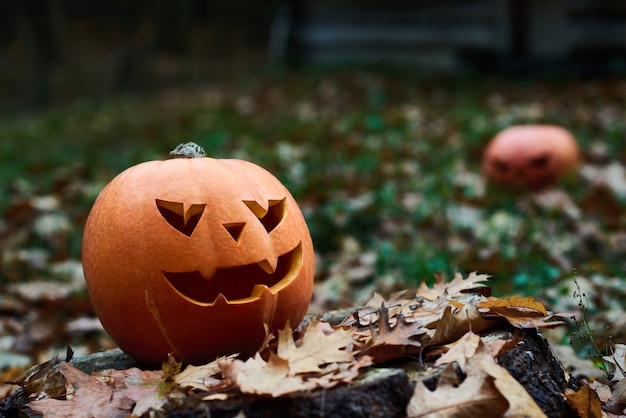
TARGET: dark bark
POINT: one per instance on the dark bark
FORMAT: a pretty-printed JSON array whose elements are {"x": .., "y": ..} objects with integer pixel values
[
  {"x": 533, "y": 363},
  {"x": 381, "y": 391}
]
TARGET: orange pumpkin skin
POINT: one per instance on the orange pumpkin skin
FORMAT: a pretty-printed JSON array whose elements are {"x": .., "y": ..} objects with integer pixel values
[
  {"x": 530, "y": 156},
  {"x": 190, "y": 280}
]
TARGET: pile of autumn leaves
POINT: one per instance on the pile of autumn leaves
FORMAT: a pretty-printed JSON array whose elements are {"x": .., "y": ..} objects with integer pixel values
[{"x": 440, "y": 324}]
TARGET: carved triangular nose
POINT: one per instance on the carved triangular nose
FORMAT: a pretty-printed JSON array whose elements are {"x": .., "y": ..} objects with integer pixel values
[{"x": 235, "y": 229}]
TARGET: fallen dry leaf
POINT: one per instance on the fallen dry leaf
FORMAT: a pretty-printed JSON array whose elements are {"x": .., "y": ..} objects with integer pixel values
[
  {"x": 603, "y": 391},
  {"x": 342, "y": 373},
  {"x": 395, "y": 305},
  {"x": 146, "y": 389},
  {"x": 619, "y": 392},
  {"x": 388, "y": 342},
  {"x": 476, "y": 396},
  {"x": 521, "y": 404},
  {"x": 323, "y": 357},
  {"x": 460, "y": 350},
  {"x": 618, "y": 361},
  {"x": 457, "y": 287},
  {"x": 519, "y": 312},
  {"x": 584, "y": 402},
  {"x": 256, "y": 376},
  {"x": 454, "y": 323},
  {"x": 201, "y": 377},
  {"x": 315, "y": 349},
  {"x": 92, "y": 397},
  {"x": 108, "y": 393},
  {"x": 44, "y": 378},
  {"x": 430, "y": 311},
  {"x": 527, "y": 304},
  {"x": 471, "y": 352},
  {"x": 498, "y": 347},
  {"x": 613, "y": 398}
]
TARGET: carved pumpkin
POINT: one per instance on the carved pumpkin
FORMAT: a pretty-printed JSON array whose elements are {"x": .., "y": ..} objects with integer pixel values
[
  {"x": 530, "y": 156},
  {"x": 196, "y": 257}
]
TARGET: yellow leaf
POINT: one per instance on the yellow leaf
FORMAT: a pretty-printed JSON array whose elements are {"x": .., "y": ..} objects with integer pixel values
[
  {"x": 515, "y": 302},
  {"x": 584, "y": 402},
  {"x": 456, "y": 304},
  {"x": 519, "y": 312}
]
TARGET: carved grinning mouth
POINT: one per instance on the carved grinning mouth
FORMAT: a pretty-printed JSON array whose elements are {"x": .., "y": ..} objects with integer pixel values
[{"x": 236, "y": 283}]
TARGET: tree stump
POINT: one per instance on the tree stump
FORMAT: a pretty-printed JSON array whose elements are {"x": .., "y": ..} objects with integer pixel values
[{"x": 383, "y": 390}]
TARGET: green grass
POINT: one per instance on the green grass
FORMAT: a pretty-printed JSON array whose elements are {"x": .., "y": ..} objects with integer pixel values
[{"x": 386, "y": 158}]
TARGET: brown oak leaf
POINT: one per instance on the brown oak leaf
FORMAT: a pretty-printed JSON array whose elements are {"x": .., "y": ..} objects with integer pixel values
[
  {"x": 108, "y": 393},
  {"x": 461, "y": 350},
  {"x": 521, "y": 404},
  {"x": 202, "y": 378},
  {"x": 584, "y": 401},
  {"x": 323, "y": 357},
  {"x": 430, "y": 311},
  {"x": 454, "y": 323},
  {"x": 145, "y": 389},
  {"x": 476, "y": 396},
  {"x": 44, "y": 378},
  {"x": 256, "y": 376},
  {"x": 92, "y": 397},
  {"x": 387, "y": 342},
  {"x": 457, "y": 287},
  {"x": 519, "y": 312},
  {"x": 527, "y": 304},
  {"x": 315, "y": 349},
  {"x": 474, "y": 354},
  {"x": 396, "y": 304},
  {"x": 341, "y": 373}
]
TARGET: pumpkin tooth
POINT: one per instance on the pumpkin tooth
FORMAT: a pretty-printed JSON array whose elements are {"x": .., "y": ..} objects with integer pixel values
[
  {"x": 220, "y": 300},
  {"x": 258, "y": 290},
  {"x": 267, "y": 266}
]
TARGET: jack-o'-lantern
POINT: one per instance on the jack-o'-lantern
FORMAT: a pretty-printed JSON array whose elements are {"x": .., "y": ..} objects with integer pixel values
[
  {"x": 530, "y": 156},
  {"x": 196, "y": 257}
]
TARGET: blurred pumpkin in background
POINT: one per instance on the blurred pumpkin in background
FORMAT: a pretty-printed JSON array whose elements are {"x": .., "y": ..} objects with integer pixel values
[
  {"x": 197, "y": 257},
  {"x": 530, "y": 156}
]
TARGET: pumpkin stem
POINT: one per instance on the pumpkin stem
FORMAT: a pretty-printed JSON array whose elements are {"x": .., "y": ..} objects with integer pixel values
[{"x": 188, "y": 150}]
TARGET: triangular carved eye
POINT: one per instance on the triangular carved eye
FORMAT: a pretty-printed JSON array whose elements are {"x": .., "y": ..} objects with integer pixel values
[
  {"x": 235, "y": 229},
  {"x": 184, "y": 221},
  {"x": 540, "y": 161},
  {"x": 271, "y": 217},
  {"x": 500, "y": 166}
]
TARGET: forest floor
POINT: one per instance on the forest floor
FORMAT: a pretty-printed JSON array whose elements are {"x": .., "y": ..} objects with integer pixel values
[{"x": 386, "y": 169}]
